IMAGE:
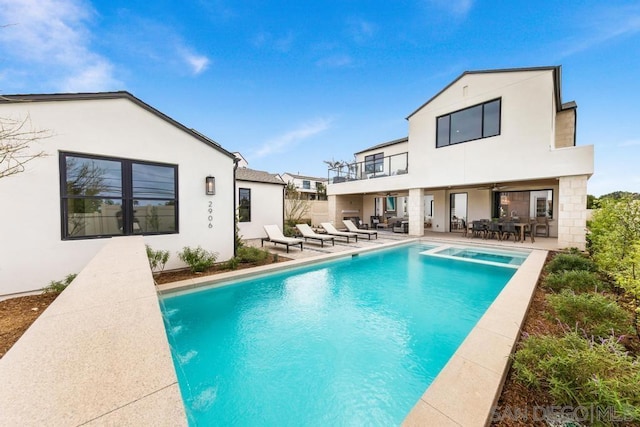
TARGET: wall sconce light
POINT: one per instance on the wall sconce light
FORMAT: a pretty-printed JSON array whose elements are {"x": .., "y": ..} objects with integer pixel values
[{"x": 210, "y": 185}]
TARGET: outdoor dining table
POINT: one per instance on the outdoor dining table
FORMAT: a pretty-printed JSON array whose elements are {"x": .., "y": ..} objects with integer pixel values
[{"x": 522, "y": 226}]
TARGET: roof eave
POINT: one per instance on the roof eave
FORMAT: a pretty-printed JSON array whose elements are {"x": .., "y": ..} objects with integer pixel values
[
  {"x": 114, "y": 95},
  {"x": 556, "y": 76}
]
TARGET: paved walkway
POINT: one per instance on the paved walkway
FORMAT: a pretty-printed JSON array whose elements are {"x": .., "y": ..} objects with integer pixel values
[{"x": 312, "y": 248}]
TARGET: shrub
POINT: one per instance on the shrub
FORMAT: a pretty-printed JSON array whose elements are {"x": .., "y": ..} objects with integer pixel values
[
  {"x": 578, "y": 371},
  {"x": 290, "y": 230},
  {"x": 57, "y": 286},
  {"x": 197, "y": 259},
  {"x": 564, "y": 262},
  {"x": 232, "y": 264},
  {"x": 576, "y": 280},
  {"x": 596, "y": 314},
  {"x": 157, "y": 259},
  {"x": 248, "y": 254}
]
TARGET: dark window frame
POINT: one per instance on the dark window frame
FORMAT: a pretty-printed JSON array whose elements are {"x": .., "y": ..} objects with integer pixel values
[
  {"x": 127, "y": 197},
  {"x": 241, "y": 218},
  {"x": 445, "y": 119},
  {"x": 374, "y": 163},
  {"x": 496, "y": 203}
]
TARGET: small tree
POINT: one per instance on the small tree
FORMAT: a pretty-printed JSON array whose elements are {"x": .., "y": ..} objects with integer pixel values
[
  {"x": 16, "y": 137},
  {"x": 157, "y": 259},
  {"x": 296, "y": 209},
  {"x": 321, "y": 191}
]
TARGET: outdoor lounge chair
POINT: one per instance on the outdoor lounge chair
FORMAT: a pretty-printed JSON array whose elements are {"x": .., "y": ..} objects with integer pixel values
[
  {"x": 352, "y": 228},
  {"x": 275, "y": 235},
  {"x": 308, "y": 233},
  {"x": 331, "y": 230}
]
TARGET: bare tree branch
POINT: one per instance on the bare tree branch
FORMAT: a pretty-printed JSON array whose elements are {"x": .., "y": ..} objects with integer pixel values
[{"x": 16, "y": 137}]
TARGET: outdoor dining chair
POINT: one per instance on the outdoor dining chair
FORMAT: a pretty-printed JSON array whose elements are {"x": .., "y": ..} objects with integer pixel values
[
  {"x": 508, "y": 229},
  {"x": 494, "y": 229}
]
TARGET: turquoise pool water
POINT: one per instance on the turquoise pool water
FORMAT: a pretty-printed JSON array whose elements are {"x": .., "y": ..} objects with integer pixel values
[
  {"x": 509, "y": 259},
  {"x": 350, "y": 342}
]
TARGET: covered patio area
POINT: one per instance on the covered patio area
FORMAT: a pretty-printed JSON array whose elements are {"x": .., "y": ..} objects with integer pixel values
[{"x": 556, "y": 206}]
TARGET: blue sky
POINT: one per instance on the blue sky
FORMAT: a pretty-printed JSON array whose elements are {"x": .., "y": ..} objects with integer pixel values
[{"x": 290, "y": 84}]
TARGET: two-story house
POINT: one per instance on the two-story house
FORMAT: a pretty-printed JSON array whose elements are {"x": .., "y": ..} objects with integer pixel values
[
  {"x": 491, "y": 144},
  {"x": 308, "y": 187}
]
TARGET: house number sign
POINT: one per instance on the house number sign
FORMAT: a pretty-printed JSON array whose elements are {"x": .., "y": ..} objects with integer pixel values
[{"x": 210, "y": 217}]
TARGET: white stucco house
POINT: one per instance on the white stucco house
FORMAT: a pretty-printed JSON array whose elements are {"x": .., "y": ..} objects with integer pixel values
[
  {"x": 308, "y": 187},
  {"x": 115, "y": 166},
  {"x": 491, "y": 144},
  {"x": 260, "y": 201}
]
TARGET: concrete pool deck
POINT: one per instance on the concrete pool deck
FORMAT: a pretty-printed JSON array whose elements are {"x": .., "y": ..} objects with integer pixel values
[{"x": 99, "y": 355}]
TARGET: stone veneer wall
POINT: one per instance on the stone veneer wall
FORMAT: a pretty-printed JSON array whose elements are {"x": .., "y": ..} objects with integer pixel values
[
  {"x": 415, "y": 208},
  {"x": 572, "y": 212},
  {"x": 345, "y": 206},
  {"x": 565, "y": 128}
]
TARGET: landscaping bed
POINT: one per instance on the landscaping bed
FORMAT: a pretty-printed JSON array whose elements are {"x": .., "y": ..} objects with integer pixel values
[{"x": 528, "y": 399}]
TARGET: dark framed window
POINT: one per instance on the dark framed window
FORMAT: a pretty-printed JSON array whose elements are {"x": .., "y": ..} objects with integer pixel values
[
  {"x": 374, "y": 163},
  {"x": 523, "y": 204},
  {"x": 105, "y": 196},
  {"x": 306, "y": 185},
  {"x": 469, "y": 124},
  {"x": 244, "y": 207}
]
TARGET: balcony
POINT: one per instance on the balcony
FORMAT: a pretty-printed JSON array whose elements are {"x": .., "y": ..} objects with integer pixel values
[{"x": 397, "y": 164}]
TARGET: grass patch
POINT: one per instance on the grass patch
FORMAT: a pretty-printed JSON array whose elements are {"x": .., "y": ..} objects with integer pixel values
[
  {"x": 576, "y": 280},
  {"x": 566, "y": 262},
  {"x": 577, "y": 371},
  {"x": 595, "y": 314}
]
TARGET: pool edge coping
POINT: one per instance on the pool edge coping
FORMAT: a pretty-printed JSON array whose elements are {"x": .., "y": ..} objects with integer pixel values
[
  {"x": 222, "y": 279},
  {"x": 467, "y": 389}
]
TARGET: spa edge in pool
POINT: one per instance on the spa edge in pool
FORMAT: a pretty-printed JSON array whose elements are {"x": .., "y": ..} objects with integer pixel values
[{"x": 354, "y": 340}]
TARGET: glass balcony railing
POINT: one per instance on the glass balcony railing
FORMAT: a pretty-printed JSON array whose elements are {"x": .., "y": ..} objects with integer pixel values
[{"x": 398, "y": 164}]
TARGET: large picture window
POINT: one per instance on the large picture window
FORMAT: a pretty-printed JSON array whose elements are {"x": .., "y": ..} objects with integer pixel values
[
  {"x": 103, "y": 197},
  {"x": 244, "y": 207},
  {"x": 479, "y": 121},
  {"x": 523, "y": 205},
  {"x": 374, "y": 163}
]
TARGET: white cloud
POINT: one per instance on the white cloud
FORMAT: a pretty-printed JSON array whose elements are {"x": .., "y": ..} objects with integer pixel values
[
  {"x": 457, "y": 7},
  {"x": 50, "y": 39},
  {"x": 293, "y": 137},
  {"x": 362, "y": 30},
  {"x": 603, "y": 25},
  {"x": 198, "y": 63},
  {"x": 90, "y": 78}
]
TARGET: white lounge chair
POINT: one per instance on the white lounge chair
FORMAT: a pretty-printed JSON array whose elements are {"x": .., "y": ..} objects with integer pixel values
[
  {"x": 308, "y": 233},
  {"x": 331, "y": 230},
  {"x": 352, "y": 228},
  {"x": 275, "y": 236}
]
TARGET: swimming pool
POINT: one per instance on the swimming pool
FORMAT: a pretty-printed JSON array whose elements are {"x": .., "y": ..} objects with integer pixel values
[
  {"x": 352, "y": 341},
  {"x": 491, "y": 256}
]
